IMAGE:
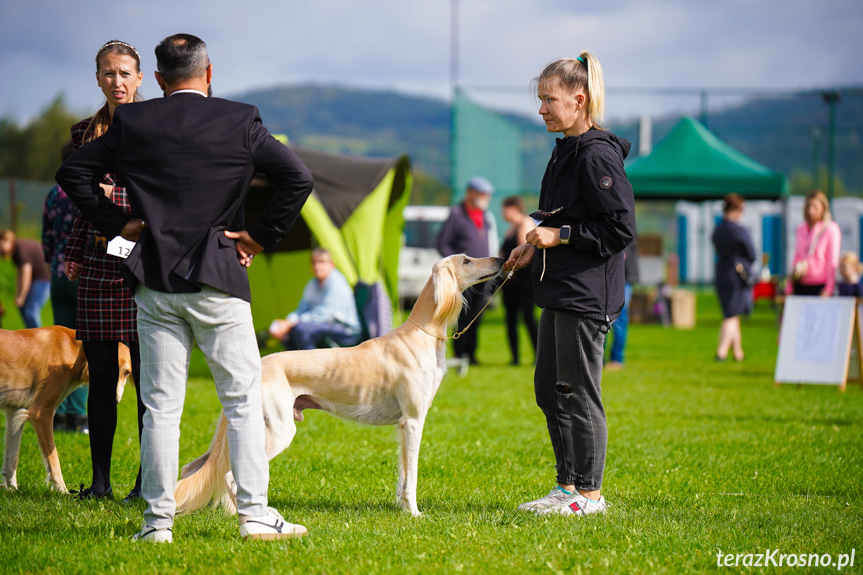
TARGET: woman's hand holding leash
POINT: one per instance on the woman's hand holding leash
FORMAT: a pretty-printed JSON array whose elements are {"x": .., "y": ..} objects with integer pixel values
[
  {"x": 537, "y": 238},
  {"x": 519, "y": 258},
  {"x": 543, "y": 237}
]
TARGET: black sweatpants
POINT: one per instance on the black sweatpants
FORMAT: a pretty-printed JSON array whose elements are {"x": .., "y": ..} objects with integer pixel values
[{"x": 567, "y": 382}]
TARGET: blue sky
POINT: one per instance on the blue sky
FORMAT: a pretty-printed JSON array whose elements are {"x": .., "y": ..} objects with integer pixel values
[{"x": 48, "y": 46}]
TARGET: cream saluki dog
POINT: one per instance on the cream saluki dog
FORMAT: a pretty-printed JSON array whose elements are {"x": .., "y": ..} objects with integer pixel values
[
  {"x": 390, "y": 380},
  {"x": 39, "y": 368}
]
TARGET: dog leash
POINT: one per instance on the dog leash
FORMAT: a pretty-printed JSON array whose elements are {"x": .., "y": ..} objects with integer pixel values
[{"x": 500, "y": 287}]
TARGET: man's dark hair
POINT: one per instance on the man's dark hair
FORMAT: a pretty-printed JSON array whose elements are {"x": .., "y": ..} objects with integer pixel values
[{"x": 181, "y": 57}]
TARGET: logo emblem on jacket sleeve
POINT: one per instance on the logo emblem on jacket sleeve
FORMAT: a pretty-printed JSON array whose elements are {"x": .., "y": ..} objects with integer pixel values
[{"x": 605, "y": 182}]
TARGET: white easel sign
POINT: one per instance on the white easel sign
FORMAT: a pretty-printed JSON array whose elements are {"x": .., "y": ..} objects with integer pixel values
[{"x": 815, "y": 340}]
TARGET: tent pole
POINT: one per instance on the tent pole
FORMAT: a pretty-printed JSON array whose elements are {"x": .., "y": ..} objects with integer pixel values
[{"x": 832, "y": 99}]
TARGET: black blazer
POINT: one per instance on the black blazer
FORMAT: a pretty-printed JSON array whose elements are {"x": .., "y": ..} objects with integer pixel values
[{"x": 187, "y": 162}]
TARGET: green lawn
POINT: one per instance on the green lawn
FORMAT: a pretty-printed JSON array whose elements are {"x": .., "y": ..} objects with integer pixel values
[{"x": 703, "y": 458}]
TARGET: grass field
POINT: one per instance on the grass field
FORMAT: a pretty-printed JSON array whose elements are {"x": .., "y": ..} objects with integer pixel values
[{"x": 703, "y": 458}]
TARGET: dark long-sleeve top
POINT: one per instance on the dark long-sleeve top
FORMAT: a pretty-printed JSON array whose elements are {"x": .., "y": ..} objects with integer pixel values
[
  {"x": 585, "y": 186},
  {"x": 733, "y": 245}
]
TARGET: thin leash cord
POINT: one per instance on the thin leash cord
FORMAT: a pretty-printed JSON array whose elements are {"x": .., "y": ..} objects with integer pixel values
[
  {"x": 542, "y": 275},
  {"x": 500, "y": 287}
]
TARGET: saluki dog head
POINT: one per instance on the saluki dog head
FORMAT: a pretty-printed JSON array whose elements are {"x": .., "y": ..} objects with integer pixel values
[{"x": 454, "y": 274}]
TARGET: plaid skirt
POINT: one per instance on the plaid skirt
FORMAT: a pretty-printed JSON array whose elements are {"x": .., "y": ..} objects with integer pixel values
[{"x": 106, "y": 306}]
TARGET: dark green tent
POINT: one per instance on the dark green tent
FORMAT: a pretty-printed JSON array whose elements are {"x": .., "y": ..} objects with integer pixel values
[
  {"x": 691, "y": 163},
  {"x": 355, "y": 211}
]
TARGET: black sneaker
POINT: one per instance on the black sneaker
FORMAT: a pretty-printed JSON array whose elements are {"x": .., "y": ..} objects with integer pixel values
[
  {"x": 87, "y": 494},
  {"x": 133, "y": 496},
  {"x": 59, "y": 422}
]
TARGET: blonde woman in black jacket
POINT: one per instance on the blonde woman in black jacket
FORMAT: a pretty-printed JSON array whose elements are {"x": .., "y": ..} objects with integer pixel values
[{"x": 586, "y": 218}]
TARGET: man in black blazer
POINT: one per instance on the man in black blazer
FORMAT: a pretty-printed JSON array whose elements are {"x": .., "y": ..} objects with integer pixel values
[{"x": 186, "y": 161}]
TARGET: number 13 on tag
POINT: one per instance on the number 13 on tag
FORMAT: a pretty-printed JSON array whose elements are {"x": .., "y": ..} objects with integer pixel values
[{"x": 120, "y": 247}]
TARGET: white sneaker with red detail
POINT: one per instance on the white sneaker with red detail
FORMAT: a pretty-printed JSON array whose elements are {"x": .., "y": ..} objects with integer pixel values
[
  {"x": 577, "y": 504},
  {"x": 554, "y": 498}
]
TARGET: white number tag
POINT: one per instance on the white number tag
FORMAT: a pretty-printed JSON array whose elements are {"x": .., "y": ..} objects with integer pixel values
[{"x": 120, "y": 247}]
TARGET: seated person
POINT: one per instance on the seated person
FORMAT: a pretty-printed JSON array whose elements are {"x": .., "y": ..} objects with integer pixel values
[{"x": 327, "y": 309}]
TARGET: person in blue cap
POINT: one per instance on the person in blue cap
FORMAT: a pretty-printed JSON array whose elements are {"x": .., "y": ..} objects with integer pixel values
[{"x": 470, "y": 229}]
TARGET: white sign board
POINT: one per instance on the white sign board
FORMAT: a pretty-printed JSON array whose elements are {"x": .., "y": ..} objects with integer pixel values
[
  {"x": 855, "y": 369},
  {"x": 815, "y": 340}
]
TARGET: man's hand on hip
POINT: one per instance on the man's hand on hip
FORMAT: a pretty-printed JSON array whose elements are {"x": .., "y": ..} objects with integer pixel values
[
  {"x": 133, "y": 229},
  {"x": 247, "y": 248}
]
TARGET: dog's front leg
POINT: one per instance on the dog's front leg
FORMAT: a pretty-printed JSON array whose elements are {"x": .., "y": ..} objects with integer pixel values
[
  {"x": 411, "y": 432},
  {"x": 13, "y": 447}
]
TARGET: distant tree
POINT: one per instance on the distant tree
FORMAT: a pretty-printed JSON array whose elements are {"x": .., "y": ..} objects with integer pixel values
[
  {"x": 801, "y": 183},
  {"x": 33, "y": 151},
  {"x": 429, "y": 191}
]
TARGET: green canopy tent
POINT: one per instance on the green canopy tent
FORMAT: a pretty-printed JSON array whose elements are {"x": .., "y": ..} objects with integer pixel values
[
  {"x": 355, "y": 211},
  {"x": 692, "y": 164}
]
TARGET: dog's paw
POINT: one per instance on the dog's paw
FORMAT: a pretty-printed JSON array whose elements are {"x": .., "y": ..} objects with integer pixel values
[
  {"x": 409, "y": 506},
  {"x": 58, "y": 486}
]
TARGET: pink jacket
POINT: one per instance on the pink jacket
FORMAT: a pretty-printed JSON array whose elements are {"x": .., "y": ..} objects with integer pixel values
[{"x": 822, "y": 266}]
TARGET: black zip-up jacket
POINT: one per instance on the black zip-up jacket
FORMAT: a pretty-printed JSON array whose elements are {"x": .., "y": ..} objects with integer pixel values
[{"x": 585, "y": 186}]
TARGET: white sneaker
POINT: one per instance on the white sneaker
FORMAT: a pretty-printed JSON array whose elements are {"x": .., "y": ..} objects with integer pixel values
[
  {"x": 153, "y": 535},
  {"x": 577, "y": 504},
  {"x": 555, "y": 497},
  {"x": 269, "y": 527}
]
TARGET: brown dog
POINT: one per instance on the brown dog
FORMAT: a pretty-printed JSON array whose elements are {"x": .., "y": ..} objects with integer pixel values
[{"x": 39, "y": 368}]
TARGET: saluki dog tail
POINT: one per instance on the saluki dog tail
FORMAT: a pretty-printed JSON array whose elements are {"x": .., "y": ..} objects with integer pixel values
[{"x": 202, "y": 481}]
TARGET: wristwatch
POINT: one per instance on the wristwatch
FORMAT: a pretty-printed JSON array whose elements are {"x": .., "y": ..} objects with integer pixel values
[{"x": 564, "y": 233}]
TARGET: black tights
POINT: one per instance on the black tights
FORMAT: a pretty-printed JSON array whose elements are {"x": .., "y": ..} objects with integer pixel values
[{"x": 102, "y": 406}]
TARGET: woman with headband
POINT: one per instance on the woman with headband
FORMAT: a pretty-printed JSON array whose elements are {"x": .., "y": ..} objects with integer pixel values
[
  {"x": 106, "y": 307},
  {"x": 585, "y": 220}
]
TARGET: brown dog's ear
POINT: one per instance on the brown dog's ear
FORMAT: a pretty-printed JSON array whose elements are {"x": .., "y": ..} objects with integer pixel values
[{"x": 447, "y": 297}]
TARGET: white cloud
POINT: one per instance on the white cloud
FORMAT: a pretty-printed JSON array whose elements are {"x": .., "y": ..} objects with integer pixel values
[{"x": 48, "y": 46}]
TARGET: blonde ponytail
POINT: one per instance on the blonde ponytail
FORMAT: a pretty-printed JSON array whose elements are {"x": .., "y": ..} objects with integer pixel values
[{"x": 595, "y": 89}]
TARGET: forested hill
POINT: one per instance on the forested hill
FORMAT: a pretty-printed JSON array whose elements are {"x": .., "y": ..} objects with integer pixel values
[
  {"x": 359, "y": 122},
  {"x": 788, "y": 134}
]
